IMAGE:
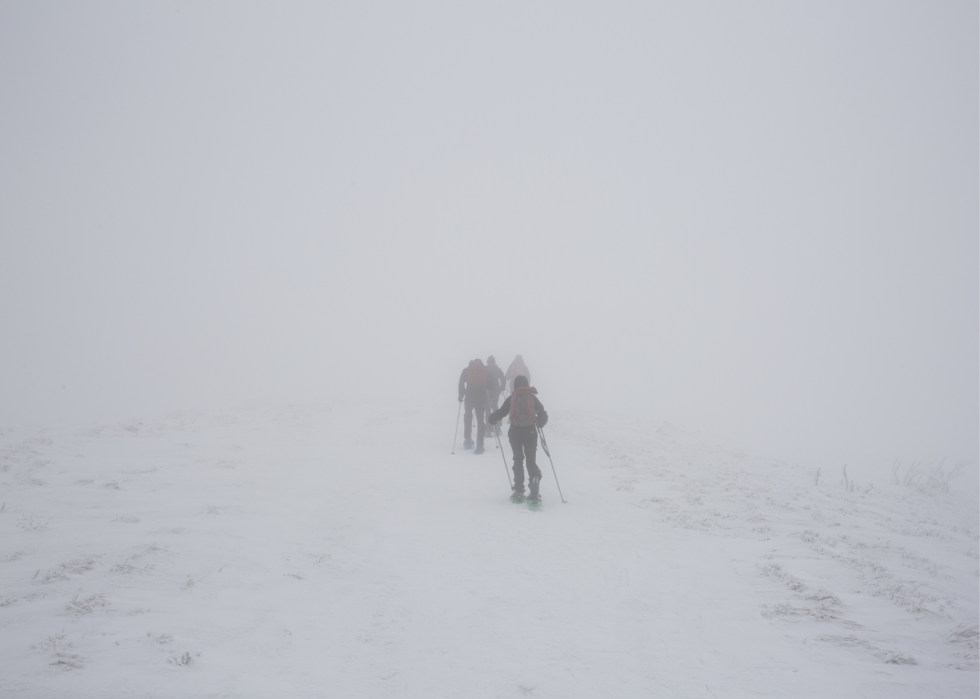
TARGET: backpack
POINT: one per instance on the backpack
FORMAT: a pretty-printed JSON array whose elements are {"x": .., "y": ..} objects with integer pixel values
[
  {"x": 522, "y": 406},
  {"x": 477, "y": 374}
]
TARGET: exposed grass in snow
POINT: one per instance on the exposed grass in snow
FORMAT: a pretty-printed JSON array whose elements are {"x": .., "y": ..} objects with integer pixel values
[
  {"x": 928, "y": 477},
  {"x": 314, "y": 552}
]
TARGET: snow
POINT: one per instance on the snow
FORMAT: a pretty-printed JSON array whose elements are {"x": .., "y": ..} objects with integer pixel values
[{"x": 344, "y": 552}]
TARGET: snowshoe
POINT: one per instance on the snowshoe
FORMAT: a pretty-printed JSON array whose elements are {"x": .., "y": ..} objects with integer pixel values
[
  {"x": 518, "y": 495},
  {"x": 468, "y": 444},
  {"x": 533, "y": 502},
  {"x": 479, "y": 450}
]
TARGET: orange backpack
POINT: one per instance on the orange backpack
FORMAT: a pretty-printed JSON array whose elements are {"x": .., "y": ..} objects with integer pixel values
[
  {"x": 522, "y": 406},
  {"x": 477, "y": 374}
]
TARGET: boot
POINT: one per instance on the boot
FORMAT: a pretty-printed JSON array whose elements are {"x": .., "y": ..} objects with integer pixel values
[
  {"x": 479, "y": 449},
  {"x": 518, "y": 495},
  {"x": 468, "y": 444},
  {"x": 535, "y": 481}
]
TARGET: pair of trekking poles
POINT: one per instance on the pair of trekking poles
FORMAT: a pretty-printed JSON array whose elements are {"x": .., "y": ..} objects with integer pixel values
[{"x": 496, "y": 435}]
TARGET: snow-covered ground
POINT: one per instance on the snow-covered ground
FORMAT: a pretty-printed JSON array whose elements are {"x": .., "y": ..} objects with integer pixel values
[{"x": 344, "y": 552}]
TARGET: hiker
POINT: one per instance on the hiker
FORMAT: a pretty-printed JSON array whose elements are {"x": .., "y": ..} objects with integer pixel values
[
  {"x": 496, "y": 385},
  {"x": 526, "y": 415},
  {"x": 517, "y": 368},
  {"x": 473, "y": 388}
]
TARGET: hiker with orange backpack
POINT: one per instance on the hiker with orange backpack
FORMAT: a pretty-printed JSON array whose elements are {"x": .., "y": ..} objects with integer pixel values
[
  {"x": 527, "y": 414},
  {"x": 473, "y": 389}
]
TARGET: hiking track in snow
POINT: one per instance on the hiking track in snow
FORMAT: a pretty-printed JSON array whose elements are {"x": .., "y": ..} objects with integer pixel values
[{"x": 311, "y": 551}]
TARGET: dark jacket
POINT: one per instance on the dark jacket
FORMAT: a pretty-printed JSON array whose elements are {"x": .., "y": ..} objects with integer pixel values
[
  {"x": 477, "y": 393},
  {"x": 541, "y": 415},
  {"x": 497, "y": 381}
]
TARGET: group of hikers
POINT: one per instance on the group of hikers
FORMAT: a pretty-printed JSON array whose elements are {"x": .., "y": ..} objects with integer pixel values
[{"x": 480, "y": 387}]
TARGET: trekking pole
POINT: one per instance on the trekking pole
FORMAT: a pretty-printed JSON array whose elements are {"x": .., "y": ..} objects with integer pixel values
[
  {"x": 491, "y": 408},
  {"x": 544, "y": 445},
  {"x": 457, "y": 427},
  {"x": 506, "y": 470},
  {"x": 496, "y": 436}
]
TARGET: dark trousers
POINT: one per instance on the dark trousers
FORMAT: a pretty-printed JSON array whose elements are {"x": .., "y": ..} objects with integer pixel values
[
  {"x": 524, "y": 442},
  {"x": 475, "y": 403}
]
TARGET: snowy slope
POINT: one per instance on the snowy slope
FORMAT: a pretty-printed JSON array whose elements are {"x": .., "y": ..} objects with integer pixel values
[{"x": 345, "y": 552}]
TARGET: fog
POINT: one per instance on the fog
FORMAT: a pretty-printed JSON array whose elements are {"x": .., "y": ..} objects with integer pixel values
[{"x": 757, "y": 219}]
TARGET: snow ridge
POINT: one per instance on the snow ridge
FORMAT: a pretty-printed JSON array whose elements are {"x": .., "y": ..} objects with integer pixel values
[{"x": 343, "y": 551}]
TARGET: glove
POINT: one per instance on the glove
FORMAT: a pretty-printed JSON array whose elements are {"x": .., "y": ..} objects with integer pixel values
[
  {"x": 491, "y": 421},
  {"x": 542, "y": 419},
  {"x": 461, "y": 399}
]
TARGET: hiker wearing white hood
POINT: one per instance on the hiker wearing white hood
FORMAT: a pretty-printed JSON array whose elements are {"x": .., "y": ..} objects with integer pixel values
[{"x": 517, "y": 368}]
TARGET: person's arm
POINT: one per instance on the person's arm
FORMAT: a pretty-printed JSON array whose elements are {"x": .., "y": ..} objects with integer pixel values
[
  {"x": 462, "y": 385},
  {"x": 504, "y": 409},
  {"x": 501, "y": 381},
  {"x": 541, "y": 415}
]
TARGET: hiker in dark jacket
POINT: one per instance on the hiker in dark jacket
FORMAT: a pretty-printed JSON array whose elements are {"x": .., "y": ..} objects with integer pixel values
[
  {"x": 496, "y": 385},
  {"x": 526, "y": 415},
  {"x": 473, "y": 389}
]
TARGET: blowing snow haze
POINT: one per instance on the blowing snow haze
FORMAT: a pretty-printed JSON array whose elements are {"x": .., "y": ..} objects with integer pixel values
[{"x": 760, "y": 219}]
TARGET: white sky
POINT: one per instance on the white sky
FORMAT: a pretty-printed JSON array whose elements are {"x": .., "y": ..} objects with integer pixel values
[{"x": 760, "y": 219}]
